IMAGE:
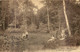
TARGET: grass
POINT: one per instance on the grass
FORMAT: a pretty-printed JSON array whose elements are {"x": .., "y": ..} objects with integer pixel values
[
  {"x": 34, "y": 41},
  {"x": 38, "y": 38}
]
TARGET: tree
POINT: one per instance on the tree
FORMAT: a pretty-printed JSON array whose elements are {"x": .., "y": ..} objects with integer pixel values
[
  {"x": 47, "y": 3},
  {"x": 66, "y": 18},
  {"x": 24, "y": 10},
  {"x": 29, "y": 14}
]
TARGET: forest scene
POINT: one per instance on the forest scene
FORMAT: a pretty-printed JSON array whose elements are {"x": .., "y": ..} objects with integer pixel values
[{"x": 39, "y": 25}]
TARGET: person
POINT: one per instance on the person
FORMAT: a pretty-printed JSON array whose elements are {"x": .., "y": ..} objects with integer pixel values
[
  {"x": 63, "y": 35},
  {"x": 51, "y": 39},
  {"x": 25, "y": 35}
]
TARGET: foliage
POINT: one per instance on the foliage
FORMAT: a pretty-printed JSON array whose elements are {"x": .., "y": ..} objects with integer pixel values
[{"x": 74, "y": 17}]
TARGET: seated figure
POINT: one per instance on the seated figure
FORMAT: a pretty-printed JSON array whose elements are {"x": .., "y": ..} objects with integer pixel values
[{"x": 25, "y": 35}]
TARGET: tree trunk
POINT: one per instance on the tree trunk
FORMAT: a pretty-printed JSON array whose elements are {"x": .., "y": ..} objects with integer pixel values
[
  {"x": 48, "y": 18},
  {"x": 15, "y": 18},
  {"x": 14, "y": 13},
  {"x": 66, "y": 18}
]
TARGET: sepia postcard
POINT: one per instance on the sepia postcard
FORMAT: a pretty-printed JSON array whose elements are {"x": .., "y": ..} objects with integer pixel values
[{"x": 39, "y": 25}]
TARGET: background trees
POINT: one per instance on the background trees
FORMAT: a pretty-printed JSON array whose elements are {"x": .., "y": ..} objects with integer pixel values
[
  {"x": 25, "y": 15},
  {"x": 50, "y": 15}
]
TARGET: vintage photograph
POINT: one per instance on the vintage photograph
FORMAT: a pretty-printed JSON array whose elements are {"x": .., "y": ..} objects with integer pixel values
[{"x": 39, "y": 25}]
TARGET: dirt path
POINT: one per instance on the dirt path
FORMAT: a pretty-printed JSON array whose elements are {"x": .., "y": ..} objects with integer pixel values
[{"x": 62, "y": 49}]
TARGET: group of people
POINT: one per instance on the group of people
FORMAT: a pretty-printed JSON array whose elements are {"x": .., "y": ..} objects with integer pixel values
[
  {"x": 60, "y": 36},
  {"x": 55, "y": 36}
]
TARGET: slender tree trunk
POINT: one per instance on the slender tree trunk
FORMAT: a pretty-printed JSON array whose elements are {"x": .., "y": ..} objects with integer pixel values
[
  {"x": 25, "y": 18},
  {"x": 24, "y": 25},
  {"x": 15, "y": 18},
  {"x": 4, "y": 15},
  {"x": 4, "y": 21},
  {"x": 48, "y": 18},
  {"x": 14, "y": 14},
  {"x": 59, "y": 24},
  {"x": 66, "y": 18}
]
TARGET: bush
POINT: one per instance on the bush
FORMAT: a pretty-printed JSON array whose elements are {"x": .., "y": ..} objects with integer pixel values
[{"x": 73, "y": 41}]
